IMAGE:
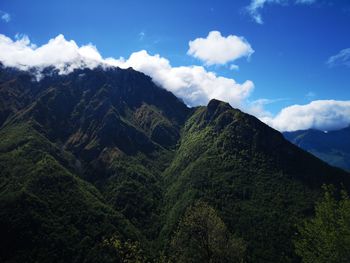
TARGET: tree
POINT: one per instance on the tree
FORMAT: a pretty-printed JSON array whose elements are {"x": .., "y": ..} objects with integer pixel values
[
  {"x": 123, "y": 251},
  {"x": 202, "y": 236},
  {"x": 326, "y": 237}
]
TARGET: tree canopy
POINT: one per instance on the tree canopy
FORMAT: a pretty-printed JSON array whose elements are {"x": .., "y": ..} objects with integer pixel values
[
  {"x": 325, "y": 238},
  {"x": 202, "y": 236}
]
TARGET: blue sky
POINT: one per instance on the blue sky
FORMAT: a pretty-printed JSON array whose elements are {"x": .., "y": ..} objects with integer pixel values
[{"x": 292, "y": 43}]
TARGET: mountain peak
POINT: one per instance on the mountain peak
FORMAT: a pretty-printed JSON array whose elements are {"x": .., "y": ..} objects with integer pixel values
[
  {"x": 216, "y": 107},
  {"x": 215, "y": 104}
]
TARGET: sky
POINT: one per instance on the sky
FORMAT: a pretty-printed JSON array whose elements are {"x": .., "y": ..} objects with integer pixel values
[{"x": 285, "y": 61}]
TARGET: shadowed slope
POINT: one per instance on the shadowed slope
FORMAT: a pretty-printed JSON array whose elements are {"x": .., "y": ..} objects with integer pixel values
[
  {"x": 104, "y": 152},
  {"x": 261, "y": 184}
]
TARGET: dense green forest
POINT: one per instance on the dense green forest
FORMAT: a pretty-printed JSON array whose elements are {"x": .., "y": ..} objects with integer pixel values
[
  {"x": 326, "y": 236},
  {"x": 105, "y": 166}
]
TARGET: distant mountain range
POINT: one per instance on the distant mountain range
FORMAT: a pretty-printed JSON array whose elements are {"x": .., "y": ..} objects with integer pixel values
[
  {"x": 332, "y": 147},
  {"x": 105, "y": 153}
]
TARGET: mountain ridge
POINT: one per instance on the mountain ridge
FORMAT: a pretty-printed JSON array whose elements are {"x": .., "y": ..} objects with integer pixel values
[
  {"x": 136, "y": 157},
  {"x": 332, "y": 147}
]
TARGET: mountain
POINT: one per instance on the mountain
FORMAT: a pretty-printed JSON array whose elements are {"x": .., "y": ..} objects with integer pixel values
[
  {"x": 81, "y": 158},
  {"x": 261, "y": 183},
  {"x": 332, "y": 147},
  {"x": 105, "y": 156}
]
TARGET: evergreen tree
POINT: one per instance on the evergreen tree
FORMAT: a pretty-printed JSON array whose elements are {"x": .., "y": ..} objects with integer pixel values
[{"x": 326, "y": 237}]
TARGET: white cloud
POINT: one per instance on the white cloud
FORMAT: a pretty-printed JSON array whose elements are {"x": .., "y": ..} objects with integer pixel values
[
  {"x": 5, "y": 16},
  {"x": 216, "y": 49},
  {"x": 194, "y": 84},
  {"x": 342, "y": 58},
  {"x": 320, "y": 114},
  {"x": 255, "y": 7},
  {"x": 257, "y": 108},
  {"x": 64, "y": 55}
]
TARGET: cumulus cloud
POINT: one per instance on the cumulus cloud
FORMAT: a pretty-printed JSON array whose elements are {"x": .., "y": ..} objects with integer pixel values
[
  {"x": 320, "y": 114},
  {"x": 255, "y": 7},
  {"x": 342, "y": 58},
  {"x": 217, "y": 49},
  {"x": 194, "y": 84},
  {"x": 64, "y": 55}
]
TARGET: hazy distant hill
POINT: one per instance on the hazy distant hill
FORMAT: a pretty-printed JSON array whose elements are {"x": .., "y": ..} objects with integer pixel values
[
  {"x": 106, "y": 153},
  {"x": 333, "y": 147}
]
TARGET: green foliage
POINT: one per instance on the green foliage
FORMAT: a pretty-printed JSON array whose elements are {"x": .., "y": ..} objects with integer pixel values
[
  {"x": 202, "y": 236},
  {"x": 48, "y": 214},
  {"x": 101, "y": 165},
  {"x": 124, "y": 251},
  {"x": 244, "y": 169},
  {"x": 325, "y": 238},
  {"x": 157, "y": 126}
]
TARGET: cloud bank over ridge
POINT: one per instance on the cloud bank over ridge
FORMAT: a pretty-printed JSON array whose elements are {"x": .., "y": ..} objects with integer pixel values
[
  {"x": 319, "y": 114},
  {"x": 194, "y": 84},
  {"x": 58, "y": 52}
]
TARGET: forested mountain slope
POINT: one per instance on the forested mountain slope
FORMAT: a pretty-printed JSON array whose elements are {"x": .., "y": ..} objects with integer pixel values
[{"x": 105, "y": 154}]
